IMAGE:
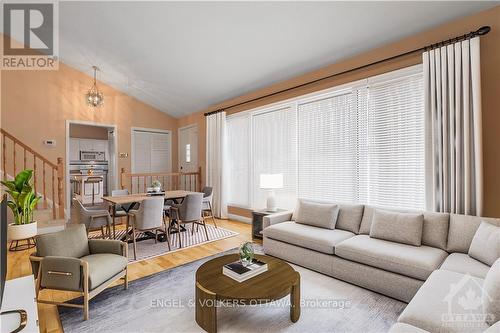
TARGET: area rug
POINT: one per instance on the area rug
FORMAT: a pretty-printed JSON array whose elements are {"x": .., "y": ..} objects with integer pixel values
[
  {"x": 148, "y": 249},
  {"x": 164, "y": 302}
]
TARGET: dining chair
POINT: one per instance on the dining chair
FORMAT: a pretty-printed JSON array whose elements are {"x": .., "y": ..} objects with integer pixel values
[
  {"x": 93, "y": 219},
  {"x": 149, "y": 217},
  {"x": 208, "y": 193},
  {"x": 120, "y": 210},
  {"x": 189, "y": 211}
]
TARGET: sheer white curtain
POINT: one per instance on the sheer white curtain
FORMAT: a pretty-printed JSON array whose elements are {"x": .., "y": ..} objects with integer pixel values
[
  {"x": 216, "y": 160},
  {"x": 454, "y": 157}
]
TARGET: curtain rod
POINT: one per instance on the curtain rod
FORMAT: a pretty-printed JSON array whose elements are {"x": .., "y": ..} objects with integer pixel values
[{"x": 479, "y": 32}]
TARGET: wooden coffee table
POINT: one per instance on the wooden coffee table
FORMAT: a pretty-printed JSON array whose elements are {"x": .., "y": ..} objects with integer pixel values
[{"x": 212, "y": 286}]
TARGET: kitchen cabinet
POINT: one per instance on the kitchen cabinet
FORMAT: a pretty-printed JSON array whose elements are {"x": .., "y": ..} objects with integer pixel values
[{"x": 74, "y": 149}]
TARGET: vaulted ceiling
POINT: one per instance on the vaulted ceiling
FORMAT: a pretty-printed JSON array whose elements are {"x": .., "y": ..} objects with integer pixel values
[{"x": 182, "y": 57}]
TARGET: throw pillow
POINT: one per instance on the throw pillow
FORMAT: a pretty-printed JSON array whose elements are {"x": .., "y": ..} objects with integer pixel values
[
  {"x": 485, "y": 245},
  {"x": 316, "y": 214},
  {"x": 491, "y": 294},
  {"x": 403, "y": 228}
]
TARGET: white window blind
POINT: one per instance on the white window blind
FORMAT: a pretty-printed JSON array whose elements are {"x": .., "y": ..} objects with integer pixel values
[
  {"x": 396, "y": 143},
  {"x": 327, "y": 145},
  {"x": 238, "y": 142},
  {"x": 275, "y": 151},
  {"x": 362, "y": 143}
]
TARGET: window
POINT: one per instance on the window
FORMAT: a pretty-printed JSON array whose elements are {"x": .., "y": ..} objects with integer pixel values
[{"x": 362, "y": 142}]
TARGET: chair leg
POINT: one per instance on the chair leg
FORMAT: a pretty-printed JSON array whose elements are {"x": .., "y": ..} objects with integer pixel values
[
  {"x": 135, "y": 242},
  {"x": 156, "y": 236},
  {"x": 179, "y": 234},
  {"x": 125, "y": 279},
  {"x": 167, "y": 234},
  {"x": 205, "y": 226},
  {"x": 212, "y": 213}
]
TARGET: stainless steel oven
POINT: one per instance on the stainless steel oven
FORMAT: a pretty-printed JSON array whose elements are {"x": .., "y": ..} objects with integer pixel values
[{"x": 87, "y": 156}]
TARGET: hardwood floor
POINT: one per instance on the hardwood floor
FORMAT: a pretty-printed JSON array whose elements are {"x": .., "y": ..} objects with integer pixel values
[{"x": 19, "y": 265}]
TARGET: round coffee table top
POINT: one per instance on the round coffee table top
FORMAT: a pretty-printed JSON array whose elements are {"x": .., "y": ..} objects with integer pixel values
[{"x": 273, "y": 284}]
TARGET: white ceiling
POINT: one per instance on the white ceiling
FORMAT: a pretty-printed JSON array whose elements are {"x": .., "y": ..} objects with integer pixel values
[{"x": 182, "y": 57}]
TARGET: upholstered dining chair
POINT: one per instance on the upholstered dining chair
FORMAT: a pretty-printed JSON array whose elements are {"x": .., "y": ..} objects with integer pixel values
[
  {"x": 189, "y": 211},
  {"x": 93, "y": 219},
  {"x": 208, "y": 193},
  {"x": 149, "y": 217},
  {"x": 66, "y": 260},
  {"x": 121, "y": 210}
]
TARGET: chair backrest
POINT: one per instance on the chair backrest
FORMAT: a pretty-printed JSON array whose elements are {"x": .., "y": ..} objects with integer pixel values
[
  {"x": 207, "y": 191},
  {"x": 82, "y": 215},
  {"x": 190, "y": 209},
  {"x": 117, "y": 193},
  {"x": 71, "y": 242},
  {"x": 150, "y": 214}
]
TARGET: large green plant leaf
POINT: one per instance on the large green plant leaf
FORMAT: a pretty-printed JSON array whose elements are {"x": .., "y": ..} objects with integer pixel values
[
  {"x": 10, "y": 184},
  {"x": 23, "y": 178}
]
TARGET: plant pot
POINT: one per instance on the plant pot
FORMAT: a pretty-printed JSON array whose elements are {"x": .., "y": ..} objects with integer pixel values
[
  {"x": 156, "y": 189},
  {"x": 22, "y": 231}
]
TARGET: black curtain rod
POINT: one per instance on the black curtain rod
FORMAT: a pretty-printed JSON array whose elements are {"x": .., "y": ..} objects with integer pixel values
[{"x": 479, "y": 32}]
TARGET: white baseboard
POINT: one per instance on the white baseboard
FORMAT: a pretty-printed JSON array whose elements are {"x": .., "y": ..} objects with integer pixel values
[{"x": 240, "y": 218}]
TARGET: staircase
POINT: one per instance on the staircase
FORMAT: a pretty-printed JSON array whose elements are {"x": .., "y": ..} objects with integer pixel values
[{"x": 48, "y": 177}]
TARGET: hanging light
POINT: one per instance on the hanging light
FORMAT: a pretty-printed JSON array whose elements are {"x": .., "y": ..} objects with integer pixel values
[{"x": 94, "y": 97}]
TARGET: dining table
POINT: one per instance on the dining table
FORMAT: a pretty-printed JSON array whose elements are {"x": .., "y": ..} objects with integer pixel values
[{"x": 126, "y": 200}]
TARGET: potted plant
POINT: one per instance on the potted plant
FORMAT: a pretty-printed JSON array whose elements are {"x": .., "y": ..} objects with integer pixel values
[
  {"x": 156, "y": 186},
  {"x": 22, "y": 202}
]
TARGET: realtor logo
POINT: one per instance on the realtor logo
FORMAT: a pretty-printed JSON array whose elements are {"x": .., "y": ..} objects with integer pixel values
[{"x": 30, "y": 35}]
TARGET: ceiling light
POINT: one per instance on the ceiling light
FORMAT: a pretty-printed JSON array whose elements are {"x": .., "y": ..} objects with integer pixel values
[{"x": 94, "y": 97}]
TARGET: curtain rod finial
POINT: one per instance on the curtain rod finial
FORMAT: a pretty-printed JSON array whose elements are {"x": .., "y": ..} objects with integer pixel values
[{"x": 483, "y": 30}]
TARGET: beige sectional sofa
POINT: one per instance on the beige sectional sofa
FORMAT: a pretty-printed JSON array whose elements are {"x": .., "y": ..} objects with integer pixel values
[{"x": 420, "y": 275}]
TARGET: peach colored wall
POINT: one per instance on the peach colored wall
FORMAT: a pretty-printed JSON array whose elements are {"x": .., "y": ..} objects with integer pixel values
[
  {"x": 36, "y": 104},
  {"x": 490, "y": 72}
]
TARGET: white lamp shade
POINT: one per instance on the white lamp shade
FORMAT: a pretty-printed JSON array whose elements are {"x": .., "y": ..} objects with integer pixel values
[{"x": 271, "y": 181}]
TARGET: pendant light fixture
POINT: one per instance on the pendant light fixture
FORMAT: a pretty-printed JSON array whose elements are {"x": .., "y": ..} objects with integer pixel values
[{"x": 94, "y": 97}]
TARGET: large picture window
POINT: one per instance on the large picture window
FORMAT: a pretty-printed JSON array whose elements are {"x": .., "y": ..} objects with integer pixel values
[{"x": 359, "y": 143}]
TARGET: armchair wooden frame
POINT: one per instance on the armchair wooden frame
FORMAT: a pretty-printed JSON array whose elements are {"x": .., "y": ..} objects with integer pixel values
[{"x": 85, "y": 292}]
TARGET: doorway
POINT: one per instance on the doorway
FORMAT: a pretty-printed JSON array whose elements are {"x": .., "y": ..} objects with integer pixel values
[{"x": 188, "y": 148}]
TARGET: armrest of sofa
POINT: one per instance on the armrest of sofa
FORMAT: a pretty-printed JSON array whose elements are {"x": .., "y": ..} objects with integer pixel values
[
  {"x": 107, "y": 246},
  {"x": 271, "y": 219},
  {"x": 61, "y": 273}
]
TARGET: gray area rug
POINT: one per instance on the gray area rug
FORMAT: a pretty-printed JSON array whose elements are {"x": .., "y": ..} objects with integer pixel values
[
  {"x": 148, "y": 249},
  {"x": 164, "y": 302}
]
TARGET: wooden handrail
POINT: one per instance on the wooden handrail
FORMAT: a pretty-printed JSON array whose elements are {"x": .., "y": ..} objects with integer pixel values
[
  {"x": 172, "y": 179},
  {"x": 54, "y": 169}
]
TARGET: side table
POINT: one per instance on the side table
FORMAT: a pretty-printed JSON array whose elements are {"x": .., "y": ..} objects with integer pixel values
[{"x": 257, "y": 217}]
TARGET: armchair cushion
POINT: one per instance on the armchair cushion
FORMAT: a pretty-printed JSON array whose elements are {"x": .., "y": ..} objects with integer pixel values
[
  {"x": 97, "y": 246},
  {"x": 71, "y": 242},
  {"x": 61, "y": 273},
  {"x": 103, "y": 266}
]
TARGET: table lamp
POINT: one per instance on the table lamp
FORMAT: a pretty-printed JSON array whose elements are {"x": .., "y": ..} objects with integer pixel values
[{"x": 270, "y": 182}]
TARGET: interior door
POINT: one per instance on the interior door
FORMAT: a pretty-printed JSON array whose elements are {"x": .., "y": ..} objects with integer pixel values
[
  {"x": 151, "y": 153},
  {"x": 188, "y": 149}
]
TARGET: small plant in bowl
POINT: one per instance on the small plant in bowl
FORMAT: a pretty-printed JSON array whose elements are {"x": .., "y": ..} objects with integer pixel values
[
  {"x": 23, "y": 201},
  {"x": 156, "y": 185},
  {"x": 246, "y": 253}
]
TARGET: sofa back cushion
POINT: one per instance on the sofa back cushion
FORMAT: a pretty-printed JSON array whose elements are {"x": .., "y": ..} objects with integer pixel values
[
  {"x": 435, "y": 228},
  {"x": 491, "y": 294},
  {"x": 349, "y": 218},
  {"x": 462, "y": 230},
  {"x": 485, "y": 245},
  {"x": 71, "y": 242},
  {"x": 403, "y": 228},
  {"x": 321, "y": 215}
]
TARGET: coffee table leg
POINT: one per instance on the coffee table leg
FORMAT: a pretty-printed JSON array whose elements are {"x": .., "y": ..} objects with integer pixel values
[
  {"x": 295, "y": 300},
  {"x": 206, "y": 309}
]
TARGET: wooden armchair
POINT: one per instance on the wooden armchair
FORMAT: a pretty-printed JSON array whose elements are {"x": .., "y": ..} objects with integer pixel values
[{"x": 67, "y": 260}]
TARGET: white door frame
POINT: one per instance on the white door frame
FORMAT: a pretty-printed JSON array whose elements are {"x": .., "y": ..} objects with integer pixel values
[
  {"x": 152, "y": 130},
  {"x": 179, "y": 152},
  {"x": 66, "y": 171}
]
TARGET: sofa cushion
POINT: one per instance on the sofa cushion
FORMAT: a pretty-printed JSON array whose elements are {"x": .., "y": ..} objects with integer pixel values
[
  {"x": 71, "y": 242},
  {"x": 463, "y": 263},
  {"x": 405, "y": 328},
  {"x": 102, "y": 267},
  {"x": 438, "y": 304},
  {"x": 462, "y": 230},
  {"x": 435, "y": 229},
  {"x": 349, "y": 217},
  {"x": 403, "y": 228},
  {"x": 491, "y": 294},
  {"x": 320, "y": 215},
  {"x": 314, "y": 238},
  {"x": 414, "y": 261},
  {"x": 485, "y": 245}
]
